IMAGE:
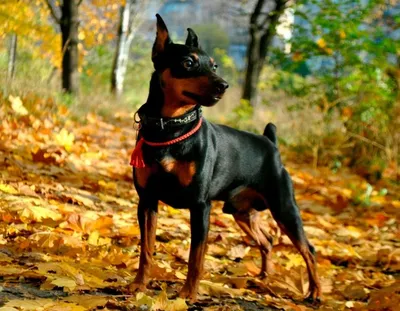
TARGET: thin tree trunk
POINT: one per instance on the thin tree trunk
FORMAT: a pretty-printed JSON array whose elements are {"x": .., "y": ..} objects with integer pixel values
[
  {"x": 12, "y": 56},
  {"x": 121, "y": 55},
  {"x": 69, "y": 24},
  {"x": 126, "y": 33},
  {"x": 261, "y": 35},
  {"x": 251, "y": 80}
]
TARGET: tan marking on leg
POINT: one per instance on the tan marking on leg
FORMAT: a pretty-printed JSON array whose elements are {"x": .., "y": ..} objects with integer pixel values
[
  {"x": 147, "y": 241},
  {"x": 302, "y": 246},
  {"x": 249, "y": 222},
  {"x": 142, "y": 175},
  {"x": 195, "y": 271}
]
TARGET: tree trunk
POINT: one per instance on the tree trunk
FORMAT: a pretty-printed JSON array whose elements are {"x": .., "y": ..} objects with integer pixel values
[
  {"x": 126, "y": 33},
  {"x": 261, "y": 35},
  {"x": 69, "y": 25},
  {"x": 251, "y": 80},
  {"x": 12, "y": 56}
]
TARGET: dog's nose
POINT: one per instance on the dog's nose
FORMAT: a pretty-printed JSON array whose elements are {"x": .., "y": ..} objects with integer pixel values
[{"x": 221, "y": 87}]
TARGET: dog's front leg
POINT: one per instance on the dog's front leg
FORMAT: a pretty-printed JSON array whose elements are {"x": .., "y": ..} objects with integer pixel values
[
  {"x": 147, "y": 216},
  {"x": 199, "y": 224}
]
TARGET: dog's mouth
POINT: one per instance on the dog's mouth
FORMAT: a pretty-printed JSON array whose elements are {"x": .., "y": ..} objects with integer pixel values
[{"x": 205, "y": 100}]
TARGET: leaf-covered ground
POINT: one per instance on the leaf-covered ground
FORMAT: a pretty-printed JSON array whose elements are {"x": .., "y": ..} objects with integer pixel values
[{"x": 69, "y": 234}]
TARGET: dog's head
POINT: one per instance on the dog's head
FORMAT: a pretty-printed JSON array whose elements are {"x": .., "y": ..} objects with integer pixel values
[{"x": 188, "y": 74}]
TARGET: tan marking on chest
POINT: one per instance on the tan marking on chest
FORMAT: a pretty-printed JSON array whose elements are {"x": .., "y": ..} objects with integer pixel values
[{"x": 184, "y": 170}]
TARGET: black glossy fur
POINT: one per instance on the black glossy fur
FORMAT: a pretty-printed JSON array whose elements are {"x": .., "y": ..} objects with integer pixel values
[{"x": 242, "y": 169}]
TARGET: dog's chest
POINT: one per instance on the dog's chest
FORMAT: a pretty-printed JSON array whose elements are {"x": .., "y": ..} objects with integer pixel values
[
  {"x": 182, "y": 170},
  {"x": 171, "y": 180}
]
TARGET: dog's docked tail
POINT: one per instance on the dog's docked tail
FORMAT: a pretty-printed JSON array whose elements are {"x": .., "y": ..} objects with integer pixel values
[{"x": 270, "y": 132}]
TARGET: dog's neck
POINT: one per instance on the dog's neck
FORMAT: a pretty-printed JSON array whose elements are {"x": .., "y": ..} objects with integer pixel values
[
  {"x": 161, "y": 128},
  {"x": 155, "y": 100}
]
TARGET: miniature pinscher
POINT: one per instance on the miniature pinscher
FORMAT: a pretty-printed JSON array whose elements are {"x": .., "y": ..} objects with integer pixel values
[{"x": 185, "y": 161}]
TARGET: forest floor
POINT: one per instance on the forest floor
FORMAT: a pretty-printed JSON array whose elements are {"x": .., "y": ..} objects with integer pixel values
[{"x": 69, "y": 234}]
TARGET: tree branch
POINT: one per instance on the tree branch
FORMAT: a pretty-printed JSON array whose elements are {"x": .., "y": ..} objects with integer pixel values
[
  {"x": 56, "y": 16},
  {"x": 256, "y": 13}
]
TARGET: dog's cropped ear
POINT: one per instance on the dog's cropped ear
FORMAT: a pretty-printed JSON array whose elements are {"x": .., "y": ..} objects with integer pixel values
[
  {"x": 192, "y": 40},
  {"x": 162, "y": 38}
]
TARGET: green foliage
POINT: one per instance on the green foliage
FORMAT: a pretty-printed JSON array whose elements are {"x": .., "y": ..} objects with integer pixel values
[
  {"x": 96, "y": 72},
  {"x": 340, "y": 60},
  {"x": 215, "y": 41},
  {"x": 211, "y": 36},
  {"x": 242, "y": 116},
  {"x": 226, "y": 66}
]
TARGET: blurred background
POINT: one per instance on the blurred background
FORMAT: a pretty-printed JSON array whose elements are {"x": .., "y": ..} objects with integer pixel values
[{"x": 326, "y": 72}]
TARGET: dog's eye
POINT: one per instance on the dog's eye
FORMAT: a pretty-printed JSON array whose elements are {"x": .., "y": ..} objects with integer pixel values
[
  {"x": 214, "y": 67},
  {"x": 188, "y": 64}
]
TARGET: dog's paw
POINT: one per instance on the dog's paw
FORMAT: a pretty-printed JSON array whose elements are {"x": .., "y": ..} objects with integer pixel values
[
  {"x": 188, "y": 293},
  {"x": 136, "y": 287},
  {"x": 313, "y": 297},
  {"x": 263, "y": 276}
]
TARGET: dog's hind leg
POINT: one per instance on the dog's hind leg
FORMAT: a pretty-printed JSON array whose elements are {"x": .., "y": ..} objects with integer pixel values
[
  {"x": 249, "y": 221},
  {"x": 286, "y": 213}
]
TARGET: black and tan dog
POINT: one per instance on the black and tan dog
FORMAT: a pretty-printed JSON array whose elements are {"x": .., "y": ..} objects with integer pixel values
[{"x": 186, "y": 162}]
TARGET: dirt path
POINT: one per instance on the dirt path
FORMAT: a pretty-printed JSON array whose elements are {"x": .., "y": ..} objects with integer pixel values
[{"x": 69, "y": 235}]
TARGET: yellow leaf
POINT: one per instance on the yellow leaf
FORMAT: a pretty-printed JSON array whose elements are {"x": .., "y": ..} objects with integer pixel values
[
  {"x": 65, "y": 139},
  {"x": 30, "y": 305},
  {"x": 8, "y": 189},
  {"x": 238, "y": 251},
  {"x": 144, "y": 300},
  {"x": 129, "y": 231},
  {"x": 38, "y": 213},
  {"x": 342, "y": 34},
  {"x": 218, "y": 290},
  {"x": 295, "y": 260},
  {"x": 3, "y": 241},
  {"x": 396, "y": 204},
  {"x": 65, "y": 282},
  {"x": 17, "y": 105},
  {"x": 90, "y": 302},
  {"x": 108, "y": 185},
  {"x": 180, "y": 275},
  {"x": 4, "y": 257},
  {"x": 354, "y": 231},
  {"x": 91, "y": 155},
  {"x": 6, "y": 270},
  {"x": 161, "y": 302},
  {"x": 94, "y": 238},
  {"x": 321, "y": 43}
]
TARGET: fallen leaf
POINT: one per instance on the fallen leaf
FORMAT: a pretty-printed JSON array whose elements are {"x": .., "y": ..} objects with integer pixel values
[
  {"x": 17, "y": 105},
  {"x": 8, "y": 189},
  {"x": 65, "y": 139},
  {"x": 238, "y": 251}
]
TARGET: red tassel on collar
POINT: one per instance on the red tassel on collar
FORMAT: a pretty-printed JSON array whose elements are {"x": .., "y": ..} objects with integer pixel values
[
  {"x": 137, "y": 155},
  {"x": 137, "y": 160}
]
